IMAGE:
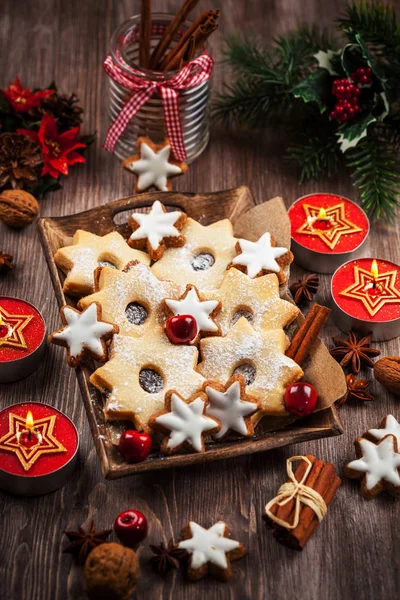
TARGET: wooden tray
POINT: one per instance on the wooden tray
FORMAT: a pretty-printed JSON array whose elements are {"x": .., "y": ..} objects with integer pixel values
[{"x": 206, "y": 208}]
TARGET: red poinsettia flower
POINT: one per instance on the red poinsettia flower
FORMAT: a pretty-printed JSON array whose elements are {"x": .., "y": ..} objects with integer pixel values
[
  {"x": 23, "y": 100},
  {"x": 58, "y": 150}
]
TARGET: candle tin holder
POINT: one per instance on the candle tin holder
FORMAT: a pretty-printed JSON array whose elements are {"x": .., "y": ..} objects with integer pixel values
[
  {"x": 325, "y": 262},
  {"x": 14, "y": 370},
  {"x": 39, "y": 485}
]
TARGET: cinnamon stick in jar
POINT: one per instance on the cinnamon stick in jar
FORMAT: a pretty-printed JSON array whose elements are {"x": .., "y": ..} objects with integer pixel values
[
  {"x": 201, "y": 34},
  {"x": 145, "y": 33}
]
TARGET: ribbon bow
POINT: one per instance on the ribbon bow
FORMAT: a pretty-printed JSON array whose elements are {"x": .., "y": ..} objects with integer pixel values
[
  {"x": 193, "y": 74},
  {"x": 297, "y": 490}
]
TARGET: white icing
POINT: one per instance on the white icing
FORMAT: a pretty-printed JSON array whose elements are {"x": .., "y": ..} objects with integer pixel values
[
  {"x": 186, "y": 422},
  {"x": 208, "y": 545},
  {"x": 378, "y": 461},
  {"x": 229, "y": 409},
  {"x": 156, "y": 224},
  {"x": 392, "y": 427},
  {"x": 192, "y": 305},
  {"x": 83, "y": 330},
  {"x": 260, "y": 255},
  {"x": 153, "y": 168}
]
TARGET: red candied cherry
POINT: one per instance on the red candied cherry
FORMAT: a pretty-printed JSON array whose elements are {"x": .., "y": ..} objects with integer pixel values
[
  {"x": 301, "y": 398},
  {"x": 135, "y": 446},
  {"x": 181, "y": 329},
  {"x": 131, "y": 527}
]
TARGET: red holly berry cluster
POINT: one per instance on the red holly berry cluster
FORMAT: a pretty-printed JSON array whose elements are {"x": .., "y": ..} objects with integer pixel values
[
  {"x": 347, "y": 93},
  {"x": 363, "y": 76}
]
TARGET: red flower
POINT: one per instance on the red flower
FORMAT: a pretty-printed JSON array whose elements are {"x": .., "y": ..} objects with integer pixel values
[
  {"x": 23, "y": 100},
  {"x": 58, "y": 150}
]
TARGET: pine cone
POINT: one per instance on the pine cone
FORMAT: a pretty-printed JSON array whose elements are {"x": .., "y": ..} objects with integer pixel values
[
  {"x": 20, "y": 161},
  {"x": 65, "y": 110}
]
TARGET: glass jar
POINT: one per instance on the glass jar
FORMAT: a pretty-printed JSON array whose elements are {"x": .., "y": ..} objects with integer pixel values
[{"x": 149, "y": 120}]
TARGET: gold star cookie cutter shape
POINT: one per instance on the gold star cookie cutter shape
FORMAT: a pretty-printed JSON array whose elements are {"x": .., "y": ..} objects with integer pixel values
[
  {"x": 15, "y": 325},
  {"x": 258, "y": 299},
  {"x": 260, "y": 354},
  {"x": 28, "y": 456},
  {"x": 87, "y": 252},
  {"x": 364, "y": 280},
  {"x": 132, "y": 299},
  {"x": 203, "y": 260},
  {"x": 132, "y": 365},
  {"x": 337, "y": 217}
]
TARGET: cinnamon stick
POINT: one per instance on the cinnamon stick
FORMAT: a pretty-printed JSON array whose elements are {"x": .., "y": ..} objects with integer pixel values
[
  {"x": 145, "y": 34},
  {"x": 189, "y": 53},
  {"x": 307, "y": 333},
  {"x": 170, "y": 32},
  {"x": 286, "y": 512},
  {"x": 200, "y": 36}
]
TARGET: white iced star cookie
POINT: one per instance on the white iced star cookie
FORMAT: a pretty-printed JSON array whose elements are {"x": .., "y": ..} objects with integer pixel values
[
  {"x": 377, "y": 465},
  {"x": 88, "y": 251},
  {"x": 211, "y": 550},
  {"x": 157, "y": 230},
  {"x": 153, "y": 165},
  {"x": 203, "y": 260},
  {"x": 231, "y": 405},
  {"x": 84, "y": 334},
  {"x": 262, "y": 257},
  {"x": 259, "y": 354},
  {"x": 184, "y": 423},
  {"x": 204, "y": 311},
  {"x": 139, "y": 372},
  {"x": 389, "y": 426}
]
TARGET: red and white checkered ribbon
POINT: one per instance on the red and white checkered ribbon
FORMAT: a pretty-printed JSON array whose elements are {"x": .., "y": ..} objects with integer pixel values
[{"x": 193, "y": 74}]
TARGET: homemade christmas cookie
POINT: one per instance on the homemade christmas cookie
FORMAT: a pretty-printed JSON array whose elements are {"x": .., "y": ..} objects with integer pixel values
[
  {"x": 184, "y": 422},
  {"x": 256, "y": 299},
  {"x": 377, "y": 465},
  {"x": 154, "y": 165},
  {"x": 389, "y": 426},
  {"x": 231, "y": 405},
  {"x": 156, "y": 230},
  {"x": 204, "y": 311},
  {"x": 131, "y": 299},
  {"x": 211, "y": 550},
  {"x": 140, "y": 371},
  {"x": 259, "y": 356},
  {"x": 89, "y": 251},
  {"x": 202, "y": 261},
  {"x": 84, "y": 334},
  {"x": 262, "y": 257}
]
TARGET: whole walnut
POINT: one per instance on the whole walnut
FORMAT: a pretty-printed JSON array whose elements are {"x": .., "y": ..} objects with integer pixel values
[
  {"x": 18, "y": 208},
  {"x": 111, "y": 572}
]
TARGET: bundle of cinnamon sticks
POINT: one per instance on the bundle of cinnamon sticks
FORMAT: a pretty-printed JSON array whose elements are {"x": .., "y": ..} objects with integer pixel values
[
  {"x": 307, "y": 333},
  {"x": 165, "y": 58},
  {"x": 323, "y": 479}
]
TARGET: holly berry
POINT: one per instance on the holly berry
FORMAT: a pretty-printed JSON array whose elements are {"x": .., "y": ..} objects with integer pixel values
[
  {"x": 131, "y": 527},
  {"x": 301, "y": 398},
  {"x": 363, "y": 76},
  {"x": 344, "y": 89},
  {"x": 181, "y": 329},
  {"x": 134, "y": 445}
]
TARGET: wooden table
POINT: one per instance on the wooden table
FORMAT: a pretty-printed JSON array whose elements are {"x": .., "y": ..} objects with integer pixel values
[{"x": 356, "y": 551}]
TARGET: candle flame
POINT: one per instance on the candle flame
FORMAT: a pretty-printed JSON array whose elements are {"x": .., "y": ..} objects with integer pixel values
[
  {"x": 29, "y": 420},
  {"x": 322, "y": 213},
  {"x": 374, "y": 269}
]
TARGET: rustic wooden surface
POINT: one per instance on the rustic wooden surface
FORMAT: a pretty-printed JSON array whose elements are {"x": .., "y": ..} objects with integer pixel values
[{"x": 356, "y": 551}]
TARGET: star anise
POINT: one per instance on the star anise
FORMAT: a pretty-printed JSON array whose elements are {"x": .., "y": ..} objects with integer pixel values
[
  {"x": 305, "y": 288},
  {"x": 83, "y": 542},
  {"x": 5, "y": 262},
  {"x": 166, "y": 557},
  {"x": 356, "y": 390},
  {"x": 20, "y": 161},
  {"x": 353, "y": 353}
]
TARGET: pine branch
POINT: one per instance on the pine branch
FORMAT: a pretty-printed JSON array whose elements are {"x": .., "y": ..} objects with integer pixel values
[
  {"x": 376, "y": 172},
  {"x": 315, "y": 158}
]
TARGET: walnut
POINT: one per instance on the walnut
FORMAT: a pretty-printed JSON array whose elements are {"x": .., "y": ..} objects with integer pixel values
[
  {"x": 18, "y": 208},
  {"x": 111, "y": 572},
  {"x": 387, "y": 372}
]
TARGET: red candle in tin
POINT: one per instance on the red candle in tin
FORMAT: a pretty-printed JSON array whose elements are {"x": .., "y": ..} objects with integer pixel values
[{"x": 38, "y": 448}]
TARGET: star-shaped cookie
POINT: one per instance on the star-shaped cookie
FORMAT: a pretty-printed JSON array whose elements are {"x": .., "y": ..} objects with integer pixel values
[
  {"x": 184, "y": 422},
  {"x": 87, "y": 252},
  {"x": 377, "y": 465},
  {"x": 389, "y": 426},
  {"x": 340, "y": 224},
  {"x": 263, "y": 352},
  {"x": 257, "y": 298},
  {"x": 157, "y": 229},
  {"x": 154, "y": 165},
  {"x": 262, "y": 257},
  {"x": 203, "y": 260},
  {"x": 386, "y": 283},
  {"x": 131, "y": 299},
  {"x": 125, "y": 376}
]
